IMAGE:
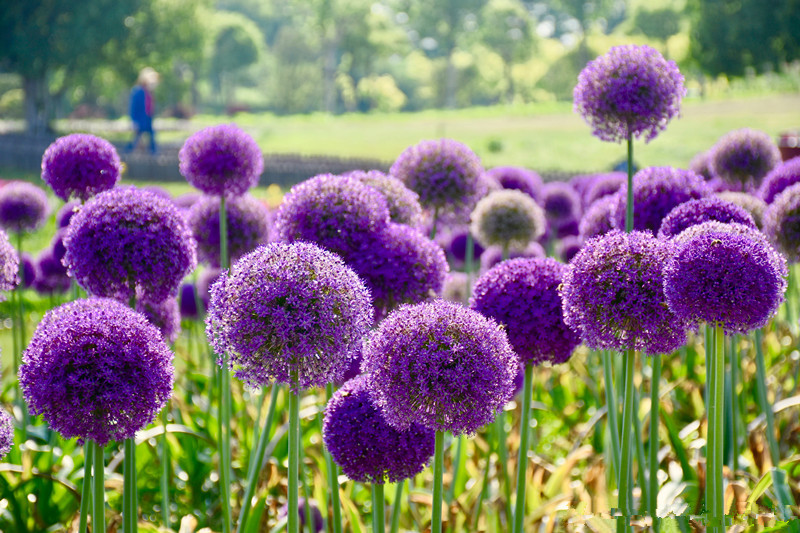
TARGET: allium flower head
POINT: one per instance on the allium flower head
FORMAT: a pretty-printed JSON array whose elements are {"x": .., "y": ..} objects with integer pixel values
[
  {"x": 522, "y": 294},
  {"x": 306, "y": 510},
  {"x": 599, "y": 218},
  {"x": 753, "y": 205},
  {"x": 80, "y": 166},
  {"x": 187, "y": 299},
  {"x": 507, "y": 218},
  {"x": 698, "y": 211},
  {"x": 457, "y": 246},
  {"x": 604, "y": 185},
  {"x": 364, "y": 445},
  {"x": 701, "y": 165},
  {"x": 9, "y": 265},
  {"x": 613, "y": 294},
  {"x": 444, "y": 173},
  {"x": 631, "y": 90},
  {"x": 6, "y": 433},
  {"x": 27, "y": 270},
  {"x": 568, "y": 247},
  {"x": 248, "y": 226},
  {"x": 403, "y": 203},
  {"x": 781, "y": 177},
  {"x": 288, "y": 310},
  {"x": 441, "y": 365},
  {"x": 65, "y": 213},
  {"x": 23, "y": 207},
  {"x": 493, "y": 255},
  {"x": 561, "y": 203},
  {"x": 743, "y": 157},
  {"x": 221, "y": 160},
  {"x": 165, "y": 315},
  {"x": 126, "y": 242},
  {"x": 97, "y": 370},
  {"x": 51, "y": 274},
  {"x": 519, "y": 178},
  {"x": 184, "y": 202},
  {"x": 455, "y": 288},
  {"x": 782, "y": 222}
]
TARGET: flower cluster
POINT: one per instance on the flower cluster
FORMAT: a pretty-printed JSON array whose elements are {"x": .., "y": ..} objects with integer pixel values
[
  {"x": 9, "y": 265},
  {"x": 753, "y": 205},
  {"x": 164, "y": 315},
  {"x": 779, "y": 178},
  {"x": 562, "y": 204},
  {"x": 455, "y": 288},
  {"x": 508, "y": 218},
  {"x": 604, "y": 185},
  {"x": 782, "y": 222},
  {"x": 493, "y": 255},
  {"x": 568, "y": 247},
  {"x": 457, "y": 246},
  {"x": 51, "y": 274},
  {"x": 6, "y": 433},
  {"x": 698, "y": 211},
  {"x": 80, "y": 166},
  {"x": 743, "y": 157},
  {"x": 23, "y": 207},
  {"x": 599, "y": 218},
  {"x": 519, "y": 178},
  {"x": 403, "y": 203}
]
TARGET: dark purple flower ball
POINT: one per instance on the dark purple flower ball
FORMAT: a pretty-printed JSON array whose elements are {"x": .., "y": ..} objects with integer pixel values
[
  {"x": 755, "y": 206},
  {"x": 303, "y": 511},
  {"x": 164, "y": 315},
  {"x": 507, "y": 218},
  {"x": 604, "y": 185},
  {"x": 656, "y": 192},
  {"x": 519, "y": 178},
  {"x": 629, "y": 91},
  {"x": 728, "y": 276},
  {"x": 779, "y": 178},
  {"x": 493, "y": 255},
  {"x": 27, "y": 271},
  {"x": 599, "y": 218},
  {"x": 23, "y": 207},
  {"x": 702, "y": 210},
  {"x": 364, "y": 445},
  {"x": 701, "y": 165},
  {"x": 187, "y": 298},
  {"x": 248, "y": 227},
  {"x": 561, "y": 203},
  {"x": 613, "y": 294},
  {"x": 336, "y": 212},
  {"x": 568, "y": 247},
  {"x": 522, "y": 294},
  {"x": 96, "y": 370},
  {"x": 51, "y": 275},
  {"x": 403, "y": 203},
  {"x": 743, "y": 157},
  {"x": 782, "y": 222},
  {"x": 440, "y": 365},
  {"x": 444, "y": 173},
  {"x": 57, "y": 244},
  {"x": 455, "y": 288},
  {"x": 288, "y": 312},
  {"x": 221, "y": 160},
  {"x": 9, "y": 265},
  {"x": 126, "y": 242},
  {"x": 80, "y": 166},
  {"x": 6, "y": 433},
  {"x": 64, "y": 215},
  {"x": 457, "y": 246}
]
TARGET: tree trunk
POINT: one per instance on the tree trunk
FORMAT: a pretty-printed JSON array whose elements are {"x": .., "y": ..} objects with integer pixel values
[{"x": 37, "y": 105}]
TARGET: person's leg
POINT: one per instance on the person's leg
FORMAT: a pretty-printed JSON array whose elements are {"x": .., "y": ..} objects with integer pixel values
[
  {"x": 135, "y": 142},
  {"x": 152, "y": 140}
]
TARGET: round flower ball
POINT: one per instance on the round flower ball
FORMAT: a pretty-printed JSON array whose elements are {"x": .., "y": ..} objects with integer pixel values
[
  {"x": 403, "y": 203},
  {"x": 126, "y": 242},
  {"x": 80, "y": 166},
  {"x": 743, "y": 157},
  {"x": 23, "y": 207},
  {"x": 631, "y": 91},
  {"x": 165, "y": 315},
  {"x": 493, "y": 255},
  {"x": 755, "y": 206},
  {"x": 248, "y": 227},
  {"x": 782, "y": 222},
  {"x": 96, "y": 370},
  {"x": 364, "y": 445},
  {"x": 568, "y": 247},
  {"x": 507, "y": 218},
  {"x": 604, "y": 185},
  {"x": 6, "y": 433},
  {"x": 9, "y": 265},
  {"x": 599, "y": 218},
  {"x": 562, "y": 204},
  {"x": 187, "y": 301},
  {"x": 522, "y": 294},
  {"x": 441, "y": 365},
  {"x": 51, "y": 275},
  {"x": 701, "y": 165},
  {"x": 612, "y": 294},
  {"x": 698, "y": 211},
  {"x": 728, "y": 277},
  {"x": 65, "y": 213},
  {"x": 455, "y": 288},
  {"x": 27, "y": 271},
  {"x": 457, "y": 246},
  {"x": 779, "y": 178},
  {"x": 291, "y": 313},
  {"x": 518, "y": 178},
  {"x": 221, "y": 160},
  {"x": 444, "y": 173}
]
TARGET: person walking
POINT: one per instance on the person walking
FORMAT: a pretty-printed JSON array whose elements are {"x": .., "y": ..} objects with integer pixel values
[{"x": 142, "y": 107}]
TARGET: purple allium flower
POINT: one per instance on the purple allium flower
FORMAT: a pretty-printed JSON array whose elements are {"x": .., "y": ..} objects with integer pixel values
[
  {"x": 57, "y": 244},
  {"x": 582, "y": 183},
  {"x": 6, "y": 433},
  {"x": 604, "y": 185},
  {"x": 631, "y": 90},
  {"x": 64, "y": 215},
  {"x": 188, "y": 301},
  {"x": 599, "y": 218},
  {"x": 353, "y": 369},
  {"x": 185, "y": 201},
  {"x": 205, "y": 280},
  {"x": 164, "y": 315},
  {"x": 23, "y": 207},
  {"x": 568, "y": 247},
  {"x": 656, "y": 192},
  {"x": 302, "y": 511},
  {"x": 613, "y": 295},
  {"x": 457, "y": 246},
  {"x": 725, "y": 274},
  {"x": 335, "y": 212},
  {"x": 522, "y": 294},
  {"x": 221, "y": 160},
  {"x": 27, "y": 271},
  {"x": 755, "y": 206},
  {"x": 288, "y": 310},
  {"x": 743, "y": 157},
  {"x": 779, "y": 178},
  {"x": 403, "y": 203},
  {"x": 444, "y": 173},
  {"x": 698, "y": 211},
  {"x": 701, "y": 165},
  {"x": 508, "y": 218},
  {"x": 562, "y": 204},
  {"x": 455, "y": 288},
  {"x": 364, "y": 445},
  {"x": 51, "y": 275},
  {"x": 493, "y": 255},
  {"x": 519, "y": 178},
  {"x": 80, "y": 166},
  {"x": 9, "y": 265},
  {"x": 248, "y": 226},
  {"x": 782, "y": 222},
  {"x": 96, "y": 370},
  {"x": 127, "y": 242},
  {"x": 441, "y": 365}
]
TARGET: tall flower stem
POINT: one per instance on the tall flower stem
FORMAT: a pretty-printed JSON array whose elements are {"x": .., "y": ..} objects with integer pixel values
[
  {"x": 639, "y": 450},
  {"x": 165, "y": 470},
  {"x": 294, "y": 457},
  {"x": 734, "y": 403},
  {"x": 333, "y": 479},
  {"x": 629, "y": 205},
  {"x": 612, "y": 410},
  {"x": 129, "y": 500},
  {"x": 716, "y": 424},
  {"x": 378, "y": 504},
  {"x": 225, "y": 390},
  {"x": 86, "y": 489},
  {"x": 524, "y": 444},
  {"x": 451, "y": 492},
  {"x": 433, "y": 223},
  {"x": 625, "y": 479},
  {"x": 398, "y": 496},
  {"x": 98, "y": 483},
  {"x": 652, "y": 492},
  {"x": 438, "y": 468}
]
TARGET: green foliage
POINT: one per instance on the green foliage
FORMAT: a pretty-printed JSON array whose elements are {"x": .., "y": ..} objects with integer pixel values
[
  {"x": 659, "y": 24},
  {"x": 381, "y": 93}
]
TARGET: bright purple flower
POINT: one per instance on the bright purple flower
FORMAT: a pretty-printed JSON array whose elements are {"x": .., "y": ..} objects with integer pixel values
[
  {"x": 188, "y": 301},
  {"x": 403, "y": 203},
  {"x": 743, "y": 157},
  {"x": 508, "y": 218},
  {"x": 302, "y": 511},
  {"x": 23, "y": 207},
  {"x": 126, "y": 242},
  {"x": 522, "y": 294},
  {"x": 782, "y": 222},
  {"x": 6, "y": 433},
  {"x": 779, "y": 178},
  {"x": 248, "y": 226},
  {"x": 221, "y": 160},
  {"x": 164, "y": 315},
  {"x": 57, "y": 244},
  {"x": 455, "y": 288},
  {"x": 457, "y": 246},
  {"x": 755, "y": 206},
  {"x": 493, "y": 255},
  {"x": 364, "y": 445},
  {"x": 441, "y": 365},
  {"x": 604, "y": 185},
  {"x": 292, "y": 313},
  {"x": 613, "y": 296},
  {"x": 51, "y": 275},
  {"x": 561, "y": 203},
  {"x": 599, "y": 218},
  {"x": 27, "y": 271},
  {"x": 519, "y": 178},
  {"x": 80, "y": 166},
  {"x": 9, "y": 265},
  {"x": 698, "y": 211},
  {"x": 629, "y": 91},
  {"x": 568, "y": 247},
  {"x": 96, "y": 370},
  {"x": 64, "y": 215}
]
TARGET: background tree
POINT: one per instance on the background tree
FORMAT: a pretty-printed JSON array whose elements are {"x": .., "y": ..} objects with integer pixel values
[
  {"x": 658, "y": 24},
  {"x": 237, "y": 43}
]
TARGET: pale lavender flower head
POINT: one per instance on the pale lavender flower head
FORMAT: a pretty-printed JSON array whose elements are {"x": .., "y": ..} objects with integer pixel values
[
  {"x": 288, "y": 310},
  {"x": 753, "y": 205},
  {"x": 96, "y": 370},
  {"x": 629, "y": 91},
  {"x": 403, "y": 203},
  {"x": 455, "y": 288},
  {"x": 9, "y": 265},
  {"x": 23, "y": 207},
  {"x": 562, "y": 204},
  {"x": 444, "y": 173},
  {"x": 51, "y": 275},
  {"x": 698, "y": 211},
  {"x": 701, "y": 165},
  {"x": 582, "y": 183},
  {"x": 441, "y": 365},
  {"x": 248, "y": 227},
  {"x": 221, "y": 160},
  {"x": 782, "y": 222},
  {"x": 507, "y": 218},
  {"x": 126, "y": 242},
  {"x": 599, "y": 218},
  {"x": 519, "y": 178},
  {"x": 493, "y": 255},
  {"x": 80, "y": 166},
  {"x": 6, "y": 433},
  {"x": 743, "y": 157},
  {"x": 65, "y": 213},
  {"x": 613, "y": 294},
  {"x": 184, "y": 202},
  {"x": 779, "y": 178},
  {"x": 568, "y": 247},
  {"x": 522, "y": 294},
  {"x": 164, "y": 315},
  {"x": 364, "y": 445},
  {"x": 604, "y": 185}
]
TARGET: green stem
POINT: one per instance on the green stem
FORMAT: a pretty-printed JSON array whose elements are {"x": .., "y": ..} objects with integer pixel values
[
  {"x": 294, "y": 458},
  {"x": 451, "y": 492},
  {"x": 639, "y": 449},
  {"x": 652, "y": 493},
  {"x": 524, "y": 444},
  {"x": 629, "y": 206},
  {"x": 333, "y": 479},
  {"x": 734, "y": 403},
  {"x": 378, "y": 503},
  {"x": 398, "y": 496},
  {"x": 438, "y": 467},
  {"x": 625, "y": 478},
  {"x": 716, "y": 419},
  {"x": 86, "y": 490},
  {"x": 98, "y": 482},
  {"x": 164, "y": 471},
  {"x": 612, "y": 409},
  {"x": 129, "y": 500},
  {"x": 502, "y": 457},
  {"x": 433, "y": 223},
  {"x": 225, "y": 390},
  {"x": 506, "y": 252}
]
